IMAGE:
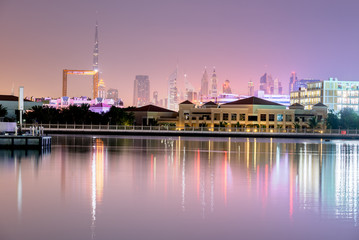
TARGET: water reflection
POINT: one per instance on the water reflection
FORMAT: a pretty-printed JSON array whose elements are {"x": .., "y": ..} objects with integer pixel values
[{"x": 118, "y": 178}]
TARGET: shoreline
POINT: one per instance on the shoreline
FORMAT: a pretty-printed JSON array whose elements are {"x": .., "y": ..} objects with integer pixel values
[{"x": 199, "y": 133}]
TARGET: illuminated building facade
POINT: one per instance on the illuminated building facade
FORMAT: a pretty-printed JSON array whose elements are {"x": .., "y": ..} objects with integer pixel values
[
  {"x": 101, "y": 89},
  {"x": 95, "y": 51},
  {"x": 141, "y": 90},
  {"x": 250, "y": 88},
  {"x": 249, "y": 112},
  {"x": 333, "y": 93}
]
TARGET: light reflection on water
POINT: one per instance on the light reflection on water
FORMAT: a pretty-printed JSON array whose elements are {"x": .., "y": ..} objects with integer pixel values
[{"x": 136, "y": 187}]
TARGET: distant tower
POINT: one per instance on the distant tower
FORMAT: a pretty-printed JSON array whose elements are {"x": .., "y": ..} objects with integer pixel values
[
  {"x": 226, "y": 87},
  {"x": 204, "y": 84},
  {"x": 101, "y": 89},
  {"x": 293, "y": 79},
  {"x": 214, "y": 92},
  {"x": 95, "y": 50},
  {"x": 172, "y": 102},
  {"x": 155, "y": 98},
  {"x": 112, "y": 94},
  {"x": 141, "y": 91},
  {"x": 250, "y": 88},
  {"x": 266, "y": 84}
]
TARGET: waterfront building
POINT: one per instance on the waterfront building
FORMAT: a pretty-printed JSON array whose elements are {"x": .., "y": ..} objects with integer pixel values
[
  {"x": 226, "y": 87},
  {"x": 214, "y": 91},
  {"x": 11, "y": 103},
  {"x": 249, "y": 112},
  {"x": 150, "y": 115},
  {"x": 333, "y": 93},
  {"x": 204, "y": 84},
  {"x": 141, "y": 90},
  {"x": 172, "y": 102},
  {"x": 250, "y": 88},
  {"x": 112, "y": 94}
]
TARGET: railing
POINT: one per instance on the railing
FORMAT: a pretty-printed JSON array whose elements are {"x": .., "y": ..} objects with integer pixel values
[{"x": 107, "y": 127}]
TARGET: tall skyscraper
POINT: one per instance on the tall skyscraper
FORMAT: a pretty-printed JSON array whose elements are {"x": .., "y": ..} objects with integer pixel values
[
  {"x": 266, "y": 83},
  {"x": 172, "y": 102},
  {"x": 204, "y": 84},
  {"x": 155, "y": 98},
  {"x": 214, "y": 92},
  {"x": 141, "y": 90},
  {"x": 101, "y": 89},
  {"x": 95, "y": 51},
  {"x": 250, "y": 88},
  {"x": 293, "y": 79},
  {"x": 226, "y": 87},
  {"x": 277, "y": 87}
]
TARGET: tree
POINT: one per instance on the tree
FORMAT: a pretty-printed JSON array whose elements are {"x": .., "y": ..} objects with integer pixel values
[
  {"x": 3, "y": 111},
  {"x": 332, "y": 120},
  {"x": 296, "y": 125},
  {"x": 313, "y": 122},
  {"x": 348, "y": 118}
]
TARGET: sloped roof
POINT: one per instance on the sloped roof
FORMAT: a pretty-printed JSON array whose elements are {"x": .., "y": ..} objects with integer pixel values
[
  {"x": 252, "y": 101},
  {"x": 151, "y": 108},
  {"x": 11, "y": 98},
  {"x": 320, "y": 105},
  {"x": 296, "y": 105},
  {"x": 210, "y": 103},
  {"x": 186, "y": 102}
]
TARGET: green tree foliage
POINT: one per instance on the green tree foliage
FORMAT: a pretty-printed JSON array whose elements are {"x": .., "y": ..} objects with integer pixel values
[
  {"x": 313, "y": 122},
  {"x": 3, "y": 111},
  {"x": 79, "y": 115},
  {"x": 347, "y": 118}
]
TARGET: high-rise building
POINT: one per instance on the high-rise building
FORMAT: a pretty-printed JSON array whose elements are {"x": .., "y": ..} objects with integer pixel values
[
  {"x": 101, "y": 89},
  {"x": 95, "y": 51},
  {"x": 141, "y": 90},
  {"x": 204, "y": 84},
  {"x": 277, "y": 87},
  {"x": 172, "y": 102},
  {"x": 112, "y": 94},
  {"x": 292, "y": 80},
  {"x": 266, "y": 83},
  {"x": 250, "y": 88},
  {"x": 226, "y": 87},
  {"x": 155, "y": 98},
  {"x": 214, "y": 91}
]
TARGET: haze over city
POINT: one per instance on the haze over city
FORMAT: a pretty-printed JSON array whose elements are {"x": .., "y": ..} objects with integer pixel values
[{"x": 242, "y": 39}]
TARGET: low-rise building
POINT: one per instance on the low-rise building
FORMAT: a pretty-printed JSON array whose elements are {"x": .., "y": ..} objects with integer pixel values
[
  {"x": 249, "y": 112},
  {"x": 153, "y": 115},
  {"x": 11, "y": 103}
]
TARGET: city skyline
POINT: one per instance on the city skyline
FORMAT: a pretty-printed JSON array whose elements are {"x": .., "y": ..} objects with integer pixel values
[{"x": 44, "y": 38}]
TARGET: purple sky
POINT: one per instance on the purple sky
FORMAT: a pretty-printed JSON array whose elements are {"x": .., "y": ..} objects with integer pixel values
[{"x": 242, "y": 39}]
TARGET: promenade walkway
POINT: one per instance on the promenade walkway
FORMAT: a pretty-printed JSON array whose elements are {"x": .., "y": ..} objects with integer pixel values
[{"x": 200, "y": 132}]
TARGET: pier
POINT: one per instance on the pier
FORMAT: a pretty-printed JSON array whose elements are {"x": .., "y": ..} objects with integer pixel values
[{"x": 24, "y": 142}]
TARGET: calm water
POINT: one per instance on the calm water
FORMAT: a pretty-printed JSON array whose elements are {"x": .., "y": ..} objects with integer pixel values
[{"x": 181, "y": 188}]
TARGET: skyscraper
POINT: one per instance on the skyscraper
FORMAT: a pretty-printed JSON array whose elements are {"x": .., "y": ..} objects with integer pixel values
[
  {"x": 250, "y": 88},
  {"x": 95, "y": 51},
  {"x": 214, "y": 91},
  {"x": 226, "y": 87},
  {"x": 266, "y": 83},
  {"x": 155, "y": 98},
  {"x": 141, "y": 91},
  {"x": 204, "y": 84},
  {"x": 293, "y": 79},
  {"x": 172, "y": 102},
  {"x": 101, "y": 89}
]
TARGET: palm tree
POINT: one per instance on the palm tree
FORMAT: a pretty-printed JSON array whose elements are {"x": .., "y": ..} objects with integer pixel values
[{"x": 313, "y": 122}]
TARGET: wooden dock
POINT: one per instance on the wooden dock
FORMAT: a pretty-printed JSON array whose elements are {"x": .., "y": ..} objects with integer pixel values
[{"x": 24, "y": 142}]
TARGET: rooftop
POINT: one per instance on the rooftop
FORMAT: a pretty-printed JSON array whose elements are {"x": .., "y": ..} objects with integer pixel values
[
  {"x": 252, "y": 101},
  {"x": 11, "y": 98},
  {"x": 150, "y": 108}
]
